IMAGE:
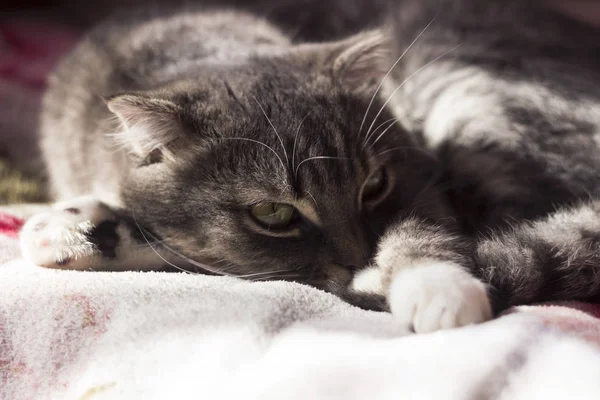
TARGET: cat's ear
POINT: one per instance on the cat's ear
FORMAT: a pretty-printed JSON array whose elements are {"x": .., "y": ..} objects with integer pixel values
[
  {"x": 358, "y": 63},
  {"x": 361, "y": 61},
  {"x": 148, "y": 123}
]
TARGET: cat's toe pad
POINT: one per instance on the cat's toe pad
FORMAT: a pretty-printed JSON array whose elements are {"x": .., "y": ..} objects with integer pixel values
[
  {"x": 70, "y": 236},
  {"x": 438, "y": 295}
]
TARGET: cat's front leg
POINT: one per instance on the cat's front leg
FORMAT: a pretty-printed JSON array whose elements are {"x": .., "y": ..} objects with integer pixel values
[
  {"x": 424, "y": 272},
  {"x": 86, "y": 234}
]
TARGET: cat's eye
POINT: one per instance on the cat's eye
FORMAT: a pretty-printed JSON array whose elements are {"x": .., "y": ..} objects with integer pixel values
[
  {"x": 273, "y": 215},
  {"x": 375, "y": 185}
]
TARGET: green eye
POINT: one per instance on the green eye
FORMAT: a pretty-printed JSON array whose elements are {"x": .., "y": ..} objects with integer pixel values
[
  {"x": 273, "y": 215},
  {"x": 374, "y": 184}
]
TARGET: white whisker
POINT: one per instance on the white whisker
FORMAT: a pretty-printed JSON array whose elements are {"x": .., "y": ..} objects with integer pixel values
[
  {"x": 265, "y": 273},
  {"x": 276, "y": 277},
  {"x": 156, "y": 252},
  {"x": 389, "y": 72},
  {"x": 380, "y": 126},
  {"x": 260, "y": 143},
  {"x": 383, "y": 133},
  {"x": 418, "y": 149},
  {"x": 205, "y": 267},
  {"x": 391, "y": 122},
  {"x": 135, "y": 246},
  {"x": 317, "y": 158},
  {"x": 274, "y": 130},
  {"x": 295, "y": 141},
  {"x": 313, "y": 198},
  {"x": 405, "y": 81}
]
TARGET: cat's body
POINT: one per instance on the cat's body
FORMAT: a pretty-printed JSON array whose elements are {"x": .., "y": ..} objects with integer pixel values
[
  {"x": 223, "y": 114},
  {"x": 507, "y": 95}
]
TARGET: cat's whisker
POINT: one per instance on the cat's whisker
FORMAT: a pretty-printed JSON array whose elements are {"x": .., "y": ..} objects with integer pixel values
[
  {"x": 295, "y": 141},
  {"x": 392, "y": 150},
  {"x": 265, "y": 273},
  {"x": 225, "y": 266},
  {"x": 221, "y": 261},
  {"x": 418, "y": 149},
  {"x": 277, "y": 277},
  {"x": 404, "y": 83},
  {"x": 136, "y": 246},
  {"x": 259, "y": 143},
  {"x": 156, "y": 252},
  {"x": 390, "y": 126},
  {"x": 419, "y": 120},
  {"x": 364, "y": 143},
  {"x": 205, "y": 267},
  {"x": 274, "y": 130},
  {"x": 313, "y": 198},
  {"x": 317, "y": 158},
  {"x": 145, "y": 233},
  {"x": 388, "y": 74}
]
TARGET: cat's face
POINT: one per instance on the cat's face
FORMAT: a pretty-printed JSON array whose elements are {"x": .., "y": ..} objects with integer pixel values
[{"x": 267, "y": 170}]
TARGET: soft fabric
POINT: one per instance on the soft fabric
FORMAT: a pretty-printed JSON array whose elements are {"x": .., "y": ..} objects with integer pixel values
[
  {"x": 10, "y": 225},
  {"x": 93, "y": 335}
]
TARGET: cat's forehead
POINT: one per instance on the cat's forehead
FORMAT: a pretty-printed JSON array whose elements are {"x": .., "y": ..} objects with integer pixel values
[
  {"x": 284, "y": 131},
  {"x": 284, "y": 92},
  {"x": 278, "y": 79},
  {"x": 301, "y": 156}
]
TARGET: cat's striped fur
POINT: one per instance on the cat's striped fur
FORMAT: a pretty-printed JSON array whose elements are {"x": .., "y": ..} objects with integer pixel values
[{"x": 486, "y": 125}]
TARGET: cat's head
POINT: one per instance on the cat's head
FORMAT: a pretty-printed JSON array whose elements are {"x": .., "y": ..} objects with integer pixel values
[{"x": 277, "y": 168}]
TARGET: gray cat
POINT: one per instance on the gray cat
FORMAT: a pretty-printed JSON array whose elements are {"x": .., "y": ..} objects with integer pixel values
[{"x": 443, "y": 167}]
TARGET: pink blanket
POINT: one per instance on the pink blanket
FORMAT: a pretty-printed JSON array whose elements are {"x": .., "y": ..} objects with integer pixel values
[
  {"x": 91, "y": 335},
  {"x": 28, "y": 52}
]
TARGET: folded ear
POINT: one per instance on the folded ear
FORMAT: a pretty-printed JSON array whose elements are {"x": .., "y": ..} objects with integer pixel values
[
  {"x": 149, "y": 124},
  {"x": 361, "y": 61},
  {"x": 357, "y": 63}
]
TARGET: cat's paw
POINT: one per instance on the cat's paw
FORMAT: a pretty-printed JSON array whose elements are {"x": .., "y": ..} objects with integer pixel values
[
  {"x": 431, "y": 295},
  {"x": 73, "y": 235}
]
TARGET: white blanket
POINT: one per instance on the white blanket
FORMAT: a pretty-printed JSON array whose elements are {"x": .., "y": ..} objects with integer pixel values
[{"x": 91, "y": 335}]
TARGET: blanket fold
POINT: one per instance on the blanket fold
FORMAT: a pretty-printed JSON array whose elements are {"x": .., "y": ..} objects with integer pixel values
[{"x": 130, "y": 335}]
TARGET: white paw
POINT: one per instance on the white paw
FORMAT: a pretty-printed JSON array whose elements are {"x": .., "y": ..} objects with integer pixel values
[
  {"x": 438, "y": 295},
  {"x": 60, "y": 238}
]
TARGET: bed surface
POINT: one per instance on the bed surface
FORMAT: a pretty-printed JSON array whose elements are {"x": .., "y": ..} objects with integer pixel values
[{"x": 129, "y": 335}]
